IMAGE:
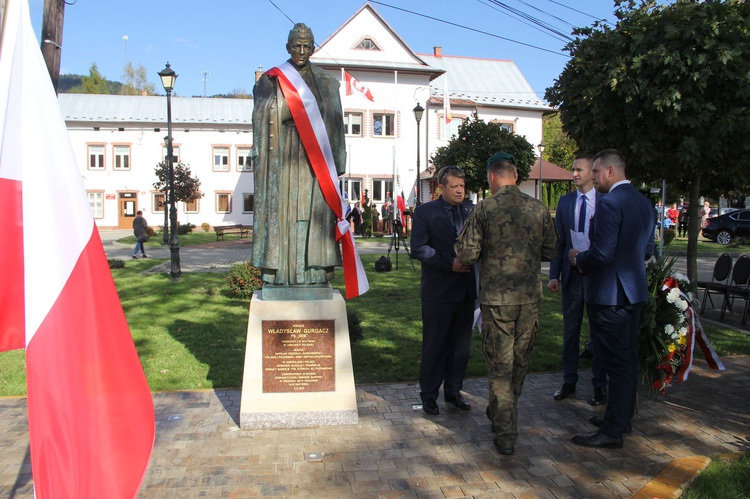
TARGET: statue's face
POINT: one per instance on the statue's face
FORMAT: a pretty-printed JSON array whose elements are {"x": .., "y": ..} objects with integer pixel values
[{"x": 300, "y": 50}]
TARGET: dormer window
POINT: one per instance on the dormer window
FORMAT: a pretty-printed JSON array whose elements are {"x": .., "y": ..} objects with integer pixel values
[{"x": 367, "y": 44}]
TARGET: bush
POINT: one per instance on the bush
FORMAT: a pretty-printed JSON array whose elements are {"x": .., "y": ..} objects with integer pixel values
[
  {"x": 355, "y": 326},
  {"x": 115, "y": 263},
  {"x": 244, "y": 279},
  {"x": 205, "y": 226},
  {"x": 183, "y": 229},
  {"x": 150, "y": 232}
]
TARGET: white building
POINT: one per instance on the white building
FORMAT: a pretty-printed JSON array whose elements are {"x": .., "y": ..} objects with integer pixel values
[{"x": 119, "y": 139}]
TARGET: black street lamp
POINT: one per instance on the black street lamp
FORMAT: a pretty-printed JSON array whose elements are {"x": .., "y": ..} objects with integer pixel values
[
  {"x": 418, "y": 112},
  {"x": 168, "y": 77},
  {"x": 541, "y": 180},
  {"x": 165, "y": 235}
]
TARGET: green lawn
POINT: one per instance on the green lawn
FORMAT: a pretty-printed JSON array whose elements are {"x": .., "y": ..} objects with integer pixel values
[
  {"x": 704, "y": 246},
  {"x": 191, "y": 334},
  {"x": 198, "y": 236}
]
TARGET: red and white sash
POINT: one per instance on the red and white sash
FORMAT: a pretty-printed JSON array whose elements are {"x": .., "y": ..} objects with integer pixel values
[{"x": 312, "y": 131}]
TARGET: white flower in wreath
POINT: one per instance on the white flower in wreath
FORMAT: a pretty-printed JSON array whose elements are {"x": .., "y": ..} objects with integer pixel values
[
  {"x": 683, "y": 331},
  {"x": 681, "y": 304},
  {"x": 669, "y": 329},
  {"x": 673, "y": 295},
  {"x": 682, "y": 278}
]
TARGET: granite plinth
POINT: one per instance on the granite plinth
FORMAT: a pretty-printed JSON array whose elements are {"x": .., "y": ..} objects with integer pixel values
[{"x": 281, "y": 374}]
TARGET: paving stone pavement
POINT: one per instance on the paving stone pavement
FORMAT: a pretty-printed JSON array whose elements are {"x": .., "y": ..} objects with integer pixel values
[{"x": 397, "y": 451}]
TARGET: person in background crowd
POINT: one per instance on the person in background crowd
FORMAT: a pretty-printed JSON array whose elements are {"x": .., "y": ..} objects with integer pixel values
[
  {"x": 705, "y": 213},
  {"x": 139, "y": 231},
  {"x": 682, "y": 221}
]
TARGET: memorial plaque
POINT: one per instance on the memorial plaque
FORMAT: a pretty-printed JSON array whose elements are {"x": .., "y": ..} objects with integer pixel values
[{"x": 298, "y": 356}]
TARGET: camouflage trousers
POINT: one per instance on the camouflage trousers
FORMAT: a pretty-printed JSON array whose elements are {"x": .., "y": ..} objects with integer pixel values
[{"x": 508, "y": 336}]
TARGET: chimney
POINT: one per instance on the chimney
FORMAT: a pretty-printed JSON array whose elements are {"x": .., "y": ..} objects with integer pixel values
[
  {"x": 259, "y": 73},
  {"x": 437, "y": 51}
]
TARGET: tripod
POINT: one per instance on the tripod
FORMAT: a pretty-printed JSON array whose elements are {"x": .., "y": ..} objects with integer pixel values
[{"x": 396, "y": 238}]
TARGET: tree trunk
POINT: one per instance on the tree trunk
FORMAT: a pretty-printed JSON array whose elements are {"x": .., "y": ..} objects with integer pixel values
[{"x": 694, "y": 228}]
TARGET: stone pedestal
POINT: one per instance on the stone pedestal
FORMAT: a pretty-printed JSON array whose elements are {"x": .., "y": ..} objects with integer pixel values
[{"x": 298, "y": 365}]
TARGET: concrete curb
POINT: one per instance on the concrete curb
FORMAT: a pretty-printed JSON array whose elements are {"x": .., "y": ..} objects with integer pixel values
[{"x": 673, "y": 480}]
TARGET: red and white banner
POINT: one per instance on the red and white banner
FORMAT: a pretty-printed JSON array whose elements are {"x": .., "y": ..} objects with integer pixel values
[
  {"x": 314, "y": 137},
  {"x": 354, "y": 84},
  {"x": 90, "y": 411},
  {"x": 448, "y": 116}
]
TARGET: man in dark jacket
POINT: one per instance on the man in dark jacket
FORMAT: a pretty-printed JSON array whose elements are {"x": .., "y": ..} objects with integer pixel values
[
  {"x": 139, "y": 231},
  {"x": 448, "y": 292}
]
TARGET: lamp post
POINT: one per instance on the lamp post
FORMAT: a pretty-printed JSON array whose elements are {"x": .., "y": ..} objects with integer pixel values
[
  {"x": 418, "y": 112},
  {"x": 541, "y": 179},
  {"x": 168, "y": 77},
  {"x": 165, "y": 235}
]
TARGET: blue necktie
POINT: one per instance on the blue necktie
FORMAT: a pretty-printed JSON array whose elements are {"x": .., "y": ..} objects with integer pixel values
[
  {"x": 582, "y": 214},
  {"x": 458, "y": 221}
]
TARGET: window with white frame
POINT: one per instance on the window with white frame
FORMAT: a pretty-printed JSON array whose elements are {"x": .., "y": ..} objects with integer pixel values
[
  {"x": 353, "y": 124},
  {"x": 96, "y": 201},
  {"x": 384, "y": 125},
  {"x": 353, "y": 190},
  {"x": 223, "y": 202},
  {"x": 244, "y": 159},
  {"x": 247, "y": 202},
  {"x": 96, "y": 156},
  {"x": 191, "y": 206},
  {"x": 221, "y": 159},
  {"x": 451, "y": 129},
  {"x": 158, "y": 200},
  {"x": 367, "y": 44},
  {"x": 175, "y": 153},
  {"x": 380, "y": 188},
  {"x": 122, "y": 157}
]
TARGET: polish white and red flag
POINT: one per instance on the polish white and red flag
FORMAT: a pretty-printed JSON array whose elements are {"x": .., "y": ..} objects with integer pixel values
[
  {"x": 90, "y": 410},
  {"x": 446, "y": 102},
  {"x": 353, "y": 84}
]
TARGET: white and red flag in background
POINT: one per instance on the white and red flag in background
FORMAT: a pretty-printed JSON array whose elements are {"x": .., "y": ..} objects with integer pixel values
[
  {"x": 354, "y": 84},
  {"x": 446, "y": 102},
  {"x": 90, "y": 411}
]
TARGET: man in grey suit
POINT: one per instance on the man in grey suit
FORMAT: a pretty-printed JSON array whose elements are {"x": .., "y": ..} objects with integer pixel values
[
  {"x": 616, "y": 290},
  {"x": 572, "y": 219}
]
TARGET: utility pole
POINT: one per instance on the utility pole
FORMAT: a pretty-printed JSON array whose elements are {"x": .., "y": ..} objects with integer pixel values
[{"x": 52, "y": 33}]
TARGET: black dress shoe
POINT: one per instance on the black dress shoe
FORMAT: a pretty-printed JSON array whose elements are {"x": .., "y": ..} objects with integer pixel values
[
  {"x": 599, "y": 397},
  {"x": 586, "y": 354},
  {"x": 459, "y": 402},
  {"x": 565, "y": 390},
  {"x": 598, "y": 440},
  {"x": 430, "y": 407},
  {"x": 598, "y": 420},
  {"x": 505, "y": 451}
]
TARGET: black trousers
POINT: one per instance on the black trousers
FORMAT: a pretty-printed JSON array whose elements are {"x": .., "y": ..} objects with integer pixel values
[
  {"x": 446, "y": 345},
  {"x": 615, "y": 334}
]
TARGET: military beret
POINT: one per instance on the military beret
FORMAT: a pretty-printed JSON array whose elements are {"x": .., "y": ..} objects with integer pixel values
[{"x": 501, "y": 156}]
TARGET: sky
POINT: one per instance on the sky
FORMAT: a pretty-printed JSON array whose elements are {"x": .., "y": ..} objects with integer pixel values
[{"x": 230, "y": 39}]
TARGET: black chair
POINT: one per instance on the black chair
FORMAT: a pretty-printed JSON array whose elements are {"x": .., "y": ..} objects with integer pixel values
[
  {"x": 738, "y": 287},
  {"x": 719, "y": 280}
]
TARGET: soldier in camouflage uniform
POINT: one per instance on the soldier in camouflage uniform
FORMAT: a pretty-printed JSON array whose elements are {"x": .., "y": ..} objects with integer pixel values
[{"x": 510, "y": 233}]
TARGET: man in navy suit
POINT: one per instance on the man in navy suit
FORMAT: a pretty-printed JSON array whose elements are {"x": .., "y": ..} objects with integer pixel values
[
  {"x": 573, "y": 215},
  {"x": 448, "y": 292},
  {"x": 616, "y": 290}
]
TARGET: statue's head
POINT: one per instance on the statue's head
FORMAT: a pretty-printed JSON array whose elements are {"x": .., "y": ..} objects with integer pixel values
[{"x": 300, "y": 44}]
